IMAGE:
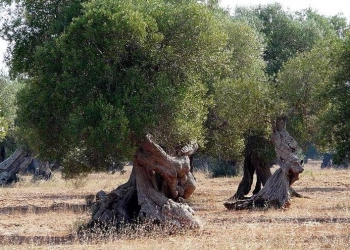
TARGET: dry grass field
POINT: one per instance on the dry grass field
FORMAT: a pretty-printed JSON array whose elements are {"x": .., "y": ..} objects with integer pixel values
[{"x": 45, "y": 215}]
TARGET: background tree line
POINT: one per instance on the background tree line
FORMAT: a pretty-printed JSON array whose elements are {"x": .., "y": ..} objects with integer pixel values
[{"x": 96, "y": 76}]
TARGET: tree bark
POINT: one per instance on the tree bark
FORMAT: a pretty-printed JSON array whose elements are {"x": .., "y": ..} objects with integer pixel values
[
  {"x": 252, "y": 165},
  {"x": 40, "y": 169},
  {"x": 156, "y": 185},
  {"x": 276, "y": 192},
  {"x": 9, "y": 168},
  {"x": 19, "y": 162},
  {"x": 2, "y": 153},
  {"x": 257, "y": 159}
]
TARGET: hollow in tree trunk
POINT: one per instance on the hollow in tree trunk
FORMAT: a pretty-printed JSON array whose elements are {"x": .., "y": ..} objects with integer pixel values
[
  {"x": 277, "y": 191},
  {"x": 157, "y": 184}
]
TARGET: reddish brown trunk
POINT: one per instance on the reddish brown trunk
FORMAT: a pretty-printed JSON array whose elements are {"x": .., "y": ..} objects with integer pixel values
[{"x": 157, "y": 182}]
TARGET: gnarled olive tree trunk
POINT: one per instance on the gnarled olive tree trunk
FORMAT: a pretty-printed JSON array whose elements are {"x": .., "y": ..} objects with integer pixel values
[
  {"x": 20, "y": 162},
  {"x": 276, "y": 191},
  {"x": 258, "y": 154},
  {"x": 156, "y": 185},
  {"x": 9, "y": 168}
]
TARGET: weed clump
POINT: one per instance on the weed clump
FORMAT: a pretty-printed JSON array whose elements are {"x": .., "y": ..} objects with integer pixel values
[{"x": 98, "y": 231}]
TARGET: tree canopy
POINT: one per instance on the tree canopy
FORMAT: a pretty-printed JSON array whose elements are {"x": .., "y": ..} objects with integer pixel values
[
  {"x": 119, "y": 70},
  {"x": 287, "y": 33},
  {"x": 8, "y": 90},
  {"x": 31, "y": 23},
  {"x": 301, "y": 85},
  {"x": 335, "y": 120},
  {"x": 101, "y": 74},
  {"x": 302, "y": 60}
]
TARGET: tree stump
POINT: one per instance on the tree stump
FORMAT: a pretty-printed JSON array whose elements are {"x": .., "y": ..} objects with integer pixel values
[
  {"x": 276, "y": 192},
  {"x": 156, "y": 185}
]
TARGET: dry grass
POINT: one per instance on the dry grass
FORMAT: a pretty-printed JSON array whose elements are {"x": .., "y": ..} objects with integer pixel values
[{"x": 42, "y": 215}]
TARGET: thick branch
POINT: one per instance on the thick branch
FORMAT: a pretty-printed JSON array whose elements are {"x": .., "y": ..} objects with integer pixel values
[
  {"x": 174, "y": 170},
  {"x": 286, "y": 148}
]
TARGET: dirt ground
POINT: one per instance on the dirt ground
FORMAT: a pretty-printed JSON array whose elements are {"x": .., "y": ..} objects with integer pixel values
[{"x": 46, "y": 215}]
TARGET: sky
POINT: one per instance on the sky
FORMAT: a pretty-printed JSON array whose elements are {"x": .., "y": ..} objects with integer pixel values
[{"x": 324, "y": 7}]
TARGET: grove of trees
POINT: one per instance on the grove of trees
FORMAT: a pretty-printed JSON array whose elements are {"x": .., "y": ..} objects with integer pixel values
[{"x": 101, "y": 82}]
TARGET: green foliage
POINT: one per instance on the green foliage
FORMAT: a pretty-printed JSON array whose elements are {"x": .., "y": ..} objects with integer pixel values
[
  {"x": 336, "y": 118},
  {"x": 242, "y": 106},
  {"x": 103, "y": 73},
  {"x": 131, "y": 67},
  {"x": 258, "y": 146},
  {"x": 287, "y": 34},
  {"x": 222, "y": 168},
  {"x": 300, "y": 87},
  {"x": 32, "y": 23},
  {"x": 8, "y": 90},
  {"x": 299, "y": 52},
  {"x": 242, "y": 99},
  {"x": 121, "y": 68}
]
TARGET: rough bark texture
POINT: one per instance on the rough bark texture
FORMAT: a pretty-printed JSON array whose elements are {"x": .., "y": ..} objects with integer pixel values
[
  {"x": 254, "y": 162},
  {"x": 276, "y": 192},
  {"x": 22, "y": 162},
  {"x": 251, "y": 166},
  {"x": 40, "y": 169},
  {"x": 2, "y": 153},
  {"x": 9, "y": 168},
  {"x": 157, "y": 182}
]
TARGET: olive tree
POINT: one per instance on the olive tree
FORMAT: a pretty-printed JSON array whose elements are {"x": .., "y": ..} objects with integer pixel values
[
  {"x": 294, "y": 83},
  {"x": 289, "y": 33},
  {"x": 334, "y": 121},
  {"x": 115, "y": 82},
  {"x": 300, "y": 87},
  {"x": 8, "y": 90}
]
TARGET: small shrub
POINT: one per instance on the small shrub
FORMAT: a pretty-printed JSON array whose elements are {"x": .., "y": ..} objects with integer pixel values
[
  {"x": 222, "y": 168},
  {"x": 217, "y": 167}
]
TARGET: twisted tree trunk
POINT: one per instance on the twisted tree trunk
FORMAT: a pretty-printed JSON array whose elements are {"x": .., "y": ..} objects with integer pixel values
[
  {"x": 257, "y": 159},
  {"x": 9, "y": 168},
  {"x": 276, "y": 192},
  {"x": 156, "y": 185},
  {"x": 19, "y": 162}
]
